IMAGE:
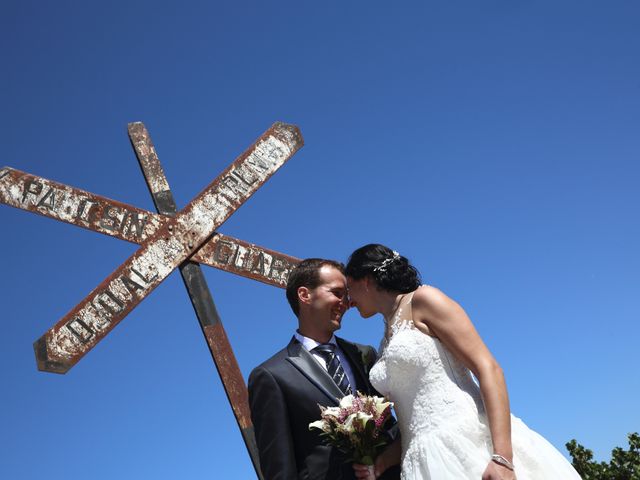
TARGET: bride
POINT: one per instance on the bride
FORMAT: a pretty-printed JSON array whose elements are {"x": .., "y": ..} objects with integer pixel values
[{"x": 451, "y": 428}]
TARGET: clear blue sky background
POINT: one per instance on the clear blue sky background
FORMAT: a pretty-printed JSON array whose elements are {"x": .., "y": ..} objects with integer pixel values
[{"x": 493, "y": 143}]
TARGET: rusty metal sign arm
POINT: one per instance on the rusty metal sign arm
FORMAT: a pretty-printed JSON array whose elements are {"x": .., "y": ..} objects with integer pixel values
[
  {"x": 199, "y": 294},
  {"x": 94, "y": 317},
  {"x": 99, "y": 214}
]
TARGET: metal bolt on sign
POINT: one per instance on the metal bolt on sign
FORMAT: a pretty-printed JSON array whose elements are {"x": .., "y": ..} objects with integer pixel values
[{"x": 167, "y": 240}]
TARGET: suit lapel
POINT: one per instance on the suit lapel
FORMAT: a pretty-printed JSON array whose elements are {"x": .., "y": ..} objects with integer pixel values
[
  {"x": 355, "y": 360},
  {"x": 304, "y": 362}
]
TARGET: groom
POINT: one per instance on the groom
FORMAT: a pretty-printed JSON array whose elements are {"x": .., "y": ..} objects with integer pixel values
[{"x": 316, "y": 368}]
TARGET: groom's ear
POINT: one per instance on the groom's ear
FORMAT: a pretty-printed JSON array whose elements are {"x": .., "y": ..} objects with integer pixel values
[{"x": 304, "y": 295}]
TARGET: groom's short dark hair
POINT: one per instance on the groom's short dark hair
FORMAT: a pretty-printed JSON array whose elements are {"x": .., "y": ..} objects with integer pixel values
[{"x": 307, "y": 274}]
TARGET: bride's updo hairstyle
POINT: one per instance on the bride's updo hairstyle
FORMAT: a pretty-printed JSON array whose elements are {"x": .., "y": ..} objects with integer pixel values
[{"x": 389, "y": 269}]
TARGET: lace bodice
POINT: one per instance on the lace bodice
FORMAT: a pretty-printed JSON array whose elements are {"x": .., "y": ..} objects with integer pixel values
[{"x": 421, "y": 376}]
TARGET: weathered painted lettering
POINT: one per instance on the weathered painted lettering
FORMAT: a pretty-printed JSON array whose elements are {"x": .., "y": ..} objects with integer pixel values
[
  {"x": 271, "y": 151},
  {"x": 240, "y": 257},
  {"x": 48, "y": 200},
  {"x": 108, "y": 221},
  {"x": 136, "y": 223},
  {"x": 227, "y": 191},
  {"x": 258, "y": 264},
  {"x": 80, "y": 211},
  {"x": 226, "y": 199},
  {"x": 83, "y": 212},
  {"x": 31, "y": 187},
  {"x": 224, "y": 252},
  {"x": 107, "y": 303},
  {"x": 232, "y": 183},
  {"x": 131, "y": 285},
  {"x": 143, "y": 278},
  {"x": 125, "y": 218},
  {"x": 256, "y": 160},
  {"x": 279, "y": 267},
  {"x": 80, "y": 330},
  {"x": 245, "y": 175}
]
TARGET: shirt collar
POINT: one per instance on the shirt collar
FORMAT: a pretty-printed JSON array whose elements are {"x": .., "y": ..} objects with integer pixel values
[{"x": 310, "y": 343}]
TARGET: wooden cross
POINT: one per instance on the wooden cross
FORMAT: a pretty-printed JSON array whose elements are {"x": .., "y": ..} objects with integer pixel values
[{"x": 168, "y": 240}]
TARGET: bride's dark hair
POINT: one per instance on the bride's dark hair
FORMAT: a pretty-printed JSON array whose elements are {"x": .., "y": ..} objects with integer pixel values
[{"x": 390, "y": 270}]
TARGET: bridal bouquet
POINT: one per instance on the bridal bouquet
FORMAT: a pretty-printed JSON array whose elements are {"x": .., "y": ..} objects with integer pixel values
[{"x": 356, "y": 427}]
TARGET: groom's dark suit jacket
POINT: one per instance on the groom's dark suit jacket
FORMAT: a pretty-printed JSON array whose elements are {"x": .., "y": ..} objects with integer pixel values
[{"x": 284, "y": 394}]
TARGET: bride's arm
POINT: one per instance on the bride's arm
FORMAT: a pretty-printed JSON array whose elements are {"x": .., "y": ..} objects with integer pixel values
[{"x": 438, "y": 315}]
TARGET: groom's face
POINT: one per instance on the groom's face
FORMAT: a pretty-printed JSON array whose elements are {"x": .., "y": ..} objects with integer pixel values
[{"x": 328, "y": 301}]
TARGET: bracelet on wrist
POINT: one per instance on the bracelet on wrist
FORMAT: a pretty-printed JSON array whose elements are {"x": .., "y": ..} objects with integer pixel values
[{"x": 500, "y": 460}]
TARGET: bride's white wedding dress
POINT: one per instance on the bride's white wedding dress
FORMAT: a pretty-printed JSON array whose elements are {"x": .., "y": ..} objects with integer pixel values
[{"x": 444, "y": 429}]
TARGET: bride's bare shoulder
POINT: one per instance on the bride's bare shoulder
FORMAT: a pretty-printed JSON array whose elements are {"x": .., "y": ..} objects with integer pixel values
[
  {"x": 430, "y": 302},
  {"x": 427, "y": 295}
]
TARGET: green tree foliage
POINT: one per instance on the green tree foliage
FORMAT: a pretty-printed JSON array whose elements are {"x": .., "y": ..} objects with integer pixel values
[{"x": 624, "y": 464}]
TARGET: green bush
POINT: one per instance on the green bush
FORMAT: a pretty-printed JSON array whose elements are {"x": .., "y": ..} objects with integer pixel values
[{"x": 624, "y": 464}]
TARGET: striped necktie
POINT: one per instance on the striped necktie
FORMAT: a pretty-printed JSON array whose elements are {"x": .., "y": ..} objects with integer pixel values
[{"x": 334, "y": 368}]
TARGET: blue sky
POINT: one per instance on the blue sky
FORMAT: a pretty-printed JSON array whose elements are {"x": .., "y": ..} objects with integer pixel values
[{"x": 495, "y": 144}]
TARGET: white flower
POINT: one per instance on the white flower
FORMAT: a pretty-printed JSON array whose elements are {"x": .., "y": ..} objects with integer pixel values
[
  {"x": 347, "y": 402},
  {"x": 321, "y": 424},
  {"x": 363, "y": 418},
  {"x": 331, "y": 412},
  {"x": 347, "y": 426},
  {"x": 380, "y": 405}
]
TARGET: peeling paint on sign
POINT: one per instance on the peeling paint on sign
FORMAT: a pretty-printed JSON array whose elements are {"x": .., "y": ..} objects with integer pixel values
[{"x": 230, "y": 373}]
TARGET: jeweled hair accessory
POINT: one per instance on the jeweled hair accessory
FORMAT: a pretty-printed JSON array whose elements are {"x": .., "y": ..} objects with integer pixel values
[{"x": 386, "y": 262}]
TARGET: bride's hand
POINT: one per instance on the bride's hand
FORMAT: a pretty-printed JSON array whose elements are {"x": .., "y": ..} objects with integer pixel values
[
  {"x": 498, "y": 472},
  {"x": 364, "y": 472}
]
